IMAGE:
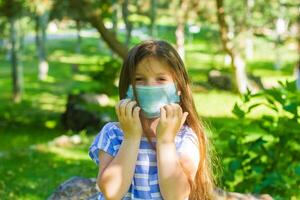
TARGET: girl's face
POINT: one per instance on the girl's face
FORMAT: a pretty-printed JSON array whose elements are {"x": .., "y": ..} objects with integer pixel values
[{"x": 151, "y": 71}]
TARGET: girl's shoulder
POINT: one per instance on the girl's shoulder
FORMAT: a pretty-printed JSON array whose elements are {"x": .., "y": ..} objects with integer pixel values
[
  {"x": 108, "y": 140},
  {"x": 186, "y": 133},
  {"x": 111, "y": 125},
  {"x": 111, "y": 128}
]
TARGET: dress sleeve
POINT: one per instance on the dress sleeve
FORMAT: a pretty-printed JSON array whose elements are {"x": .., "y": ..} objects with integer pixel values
[
  {"x": 106, "y": 140},
  {"x": 189, "y": 141}
]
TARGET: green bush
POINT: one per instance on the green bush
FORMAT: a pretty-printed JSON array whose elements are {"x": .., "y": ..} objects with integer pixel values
[{"x": 263, "y": 155}]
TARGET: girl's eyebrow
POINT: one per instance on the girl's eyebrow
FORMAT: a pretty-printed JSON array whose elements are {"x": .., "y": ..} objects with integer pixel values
[
  {"x": 161, "y": 74},
  {"x": 138, "y": 74}
]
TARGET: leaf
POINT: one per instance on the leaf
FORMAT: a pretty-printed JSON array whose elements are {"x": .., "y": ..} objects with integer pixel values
[
  {"x": 237, "y": 111},
  {"x": 292, "y": 108},
  {"x": 276, "y": 94},
  {"x": 297, "y": 170},
  {"x": 291, "y": 86},
  {"x": 256, "y": 144},
  {"x": 234, "y": 165},
  {"x": 253, "y": 106},
  {"x": 270, "y": 100},
  {"x": 246, "y": 97},
  {"x": 233, "y": 144},
  {"x": 258, "y": 169},
  {"x": 273, "y": 107}
]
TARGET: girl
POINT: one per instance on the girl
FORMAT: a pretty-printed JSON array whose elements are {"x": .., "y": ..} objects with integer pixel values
[{"x": 157, "y": 149}]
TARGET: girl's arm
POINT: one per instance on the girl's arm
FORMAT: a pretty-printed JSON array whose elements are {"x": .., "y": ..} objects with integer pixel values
[
  {"x": 115, "y": 174},
  {"x": 173, "y": 171}
]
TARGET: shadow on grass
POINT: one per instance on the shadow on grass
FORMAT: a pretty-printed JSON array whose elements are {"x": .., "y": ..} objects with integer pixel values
[{"x": 35, "y": 174}]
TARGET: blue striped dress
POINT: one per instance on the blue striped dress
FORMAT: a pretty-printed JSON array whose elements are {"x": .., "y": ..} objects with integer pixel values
[{"x": 144, "y": 184}]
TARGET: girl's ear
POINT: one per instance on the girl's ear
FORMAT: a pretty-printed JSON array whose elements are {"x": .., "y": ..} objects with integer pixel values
[{"x": 178, "y": 93}]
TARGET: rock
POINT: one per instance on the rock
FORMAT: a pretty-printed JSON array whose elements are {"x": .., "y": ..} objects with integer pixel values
[
  {"x": 62, "y": 141},
  {"x": 219, "y": 80},
  {"x": 223, "y": 81},
  {"x": 255, "y": 82},
  {"x": 223, "y": 195},
  {"x": 78, "y": 188},
  {"x": 66, "y": 141},
  {"x": 76, "y": 139},
  {"x": 100, "y": 99},
  {"x": 81, "y": 112}
]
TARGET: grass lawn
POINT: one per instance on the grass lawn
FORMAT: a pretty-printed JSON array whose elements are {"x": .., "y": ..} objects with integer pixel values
[{"x": 31, "y": 168}]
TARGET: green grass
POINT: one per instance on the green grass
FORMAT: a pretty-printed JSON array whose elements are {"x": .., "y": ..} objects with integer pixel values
[
  {"x": 33, "y": 173},
  {"x": 31, "y": 168}
]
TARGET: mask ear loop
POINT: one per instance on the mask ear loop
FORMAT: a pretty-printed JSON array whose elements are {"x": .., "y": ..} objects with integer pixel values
[{"x": 178, "y": 93}]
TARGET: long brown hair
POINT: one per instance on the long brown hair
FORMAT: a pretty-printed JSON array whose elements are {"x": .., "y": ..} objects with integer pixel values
[{"x": 202, "y": 185}]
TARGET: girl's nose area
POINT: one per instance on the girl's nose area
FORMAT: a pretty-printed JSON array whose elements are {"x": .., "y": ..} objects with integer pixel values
[{"x": 151, "y": 82}]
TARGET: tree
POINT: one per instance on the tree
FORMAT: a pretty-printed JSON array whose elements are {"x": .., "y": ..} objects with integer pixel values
[
  {"x": 128, "y": 24},
  {"x": 60, "y": 10},
  {"x": 237, "y": 63},
  {"x": 184, "y": 9},
  {"x": 153, "y": 18},
  {"x": 12, "y": 10},
  {"x": 297, "y": 66},
  {"x": 40, "y": 11},
  {"x": 93, "y": 13}
]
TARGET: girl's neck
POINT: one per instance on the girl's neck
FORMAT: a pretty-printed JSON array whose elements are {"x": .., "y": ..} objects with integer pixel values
[{"x": 149, "y": 126}]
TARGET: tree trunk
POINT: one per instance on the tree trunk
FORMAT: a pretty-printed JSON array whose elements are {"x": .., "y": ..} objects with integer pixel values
[
  {"x": 249, "y": 36},
  {"x": 97, "y": 22},
  {"x": 128, "y": 24},
  {"x": 249, "y": 45},
  {"x": 41, "y": 49},
  {"x": 37, "y": 34},
  {"x": 88, "y": 13},
  {"x": 278, "y": 63},
  {"x": 237, "y": 63},
  {"x": 114, "y": 16},
  {"x": 16, "y": 67},
  {"x": 182, "y": 15},
  {"x": 78, "y": 28},
  {"x": 152, "y": 19},
  {"x": 298, "y": 76},
  {"x": 180, "y": 40},
  {"x": 298, "y": 64}
]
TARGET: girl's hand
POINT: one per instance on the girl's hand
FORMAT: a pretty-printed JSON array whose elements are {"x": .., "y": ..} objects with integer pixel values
[
  {"x": 171, "y": 120},
  {"x": 129, "y": 119}
]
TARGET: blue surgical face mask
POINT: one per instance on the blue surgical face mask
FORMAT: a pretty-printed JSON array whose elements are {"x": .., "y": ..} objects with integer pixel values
[{"x": 152, "y": 98}]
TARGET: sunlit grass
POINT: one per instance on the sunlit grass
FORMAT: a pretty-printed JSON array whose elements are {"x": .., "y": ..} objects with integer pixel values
[{"x": 209, "y": 104}]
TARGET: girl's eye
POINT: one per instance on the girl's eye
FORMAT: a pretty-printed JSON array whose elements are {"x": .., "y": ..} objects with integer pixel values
[
  {"x": 138, "y": 79},
  {"x": 161, "y": 79}
]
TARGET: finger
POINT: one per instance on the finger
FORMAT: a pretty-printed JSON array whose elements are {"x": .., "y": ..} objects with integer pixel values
[
  {"x": 169, "y": 111},
  {"x": 117, "y": 107},
  {"x": 163, "y": 114},
  {"x": 136, "y": 112},
  {"x": 184, "y": 116},
  {"x": 128, "y": 110},
  {"x": 122, "y": 107},
  {"x": 178, "y": 110},
  {"x": 175, "y": 110}
]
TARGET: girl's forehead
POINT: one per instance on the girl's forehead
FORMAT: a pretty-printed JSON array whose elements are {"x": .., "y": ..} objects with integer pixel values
[{"x": 153, "y": 65}]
